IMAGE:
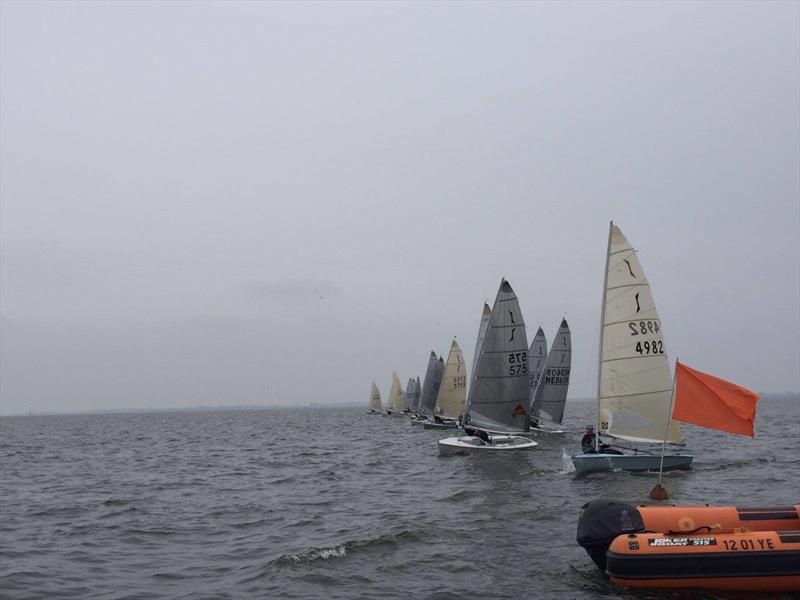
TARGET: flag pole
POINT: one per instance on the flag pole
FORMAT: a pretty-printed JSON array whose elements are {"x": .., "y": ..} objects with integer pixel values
[{"x": 658, "y": 492}]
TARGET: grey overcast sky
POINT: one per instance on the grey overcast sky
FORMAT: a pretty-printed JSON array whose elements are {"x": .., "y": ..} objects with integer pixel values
[{"x": 277, "y": 203}]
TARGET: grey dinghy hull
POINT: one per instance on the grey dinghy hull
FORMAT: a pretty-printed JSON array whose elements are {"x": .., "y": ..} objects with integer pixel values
[
  {"x": 467, "y": 444},
  {"x": 589, "y": 463}
]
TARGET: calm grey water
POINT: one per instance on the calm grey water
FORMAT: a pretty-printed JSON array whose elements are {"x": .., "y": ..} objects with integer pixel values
[{"x": 331, "y": 503}]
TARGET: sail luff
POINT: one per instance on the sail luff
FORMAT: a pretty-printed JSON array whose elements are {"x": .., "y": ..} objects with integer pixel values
[
  {"x": 602, "y": 323},
  {"x": 485, "y": 316}
]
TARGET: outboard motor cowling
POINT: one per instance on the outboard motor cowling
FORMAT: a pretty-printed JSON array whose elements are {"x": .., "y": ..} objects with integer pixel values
[{"x": 603, "y": 520}]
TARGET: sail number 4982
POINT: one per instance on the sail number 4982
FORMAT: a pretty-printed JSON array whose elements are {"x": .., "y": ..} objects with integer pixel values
[
  {"x": 646, "y": 347},
  {"x": 517, "y": 363}
]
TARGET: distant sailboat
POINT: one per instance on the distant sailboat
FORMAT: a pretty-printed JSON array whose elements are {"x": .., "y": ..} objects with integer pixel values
[
  {"x": 375, "y": 407},
  {"x": 537, "y": 355},
  {"x": 428, "y": 396},
  {"x": 452, "y": 394},
  {"x": 634, "y": 385},
  {"x": 497, "y": 404},
  {"x": 397, "y": 398},
  {"x": 550, "y": 394},
  {"x": 412, "y": 394}
]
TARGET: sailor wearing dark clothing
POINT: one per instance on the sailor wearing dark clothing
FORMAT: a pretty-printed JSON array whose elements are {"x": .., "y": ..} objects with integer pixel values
[{"x": 587, "y": 441}]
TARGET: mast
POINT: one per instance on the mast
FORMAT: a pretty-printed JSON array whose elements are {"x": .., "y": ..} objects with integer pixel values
[{"x": 602, "y": 326}]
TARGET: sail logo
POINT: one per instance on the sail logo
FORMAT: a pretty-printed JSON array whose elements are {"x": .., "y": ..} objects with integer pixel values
[
  {"x": 519, "y": 411},
  {"x": 625, "y": 260}
]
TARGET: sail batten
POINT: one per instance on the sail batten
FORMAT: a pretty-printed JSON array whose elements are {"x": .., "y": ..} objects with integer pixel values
[{"x": 634, "y": 379}]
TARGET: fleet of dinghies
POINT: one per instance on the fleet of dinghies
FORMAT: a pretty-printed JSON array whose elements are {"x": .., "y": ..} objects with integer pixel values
[{"x": 516, "y": 391}]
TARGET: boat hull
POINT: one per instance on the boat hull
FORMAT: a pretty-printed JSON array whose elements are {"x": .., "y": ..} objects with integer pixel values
[
  {"x": 433, "y": 425},
  {"x": 467, "y": 444},
  {"x": 731, "y": 560},
  {"x": 539, "y": 430},
  {"x": 589, "y": 463}
]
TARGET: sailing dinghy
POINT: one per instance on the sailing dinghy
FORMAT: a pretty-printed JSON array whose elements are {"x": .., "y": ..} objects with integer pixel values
[
  {"x": 420, "y": 414},
  {"x": 550, "y": 393},
  {"x": 452, "y": 397},
  {"x": 375, "y": 400},
  {"x": 634, "y": 385},
  {"x": 412, "y": 394},
  {"x": 397, "y": 398},
  {"x": 496, "y": 414}
]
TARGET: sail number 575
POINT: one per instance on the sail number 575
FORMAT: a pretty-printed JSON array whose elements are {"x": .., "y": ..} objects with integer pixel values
[{"x": 517, "y": 363}]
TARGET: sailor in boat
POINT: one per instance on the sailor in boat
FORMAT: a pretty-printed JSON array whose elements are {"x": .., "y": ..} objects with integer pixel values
[{"x": 590, "y": 438}]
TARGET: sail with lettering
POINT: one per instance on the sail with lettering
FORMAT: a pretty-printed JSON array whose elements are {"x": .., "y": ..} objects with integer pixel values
[
  {"x": 499, "y": 397},
  {"x": 550, "y": 395},
  {"x": 537, "y": 354},
  {"x": 375, "y": 399},
  {"x": 397, "y": 397},
  {"x": 634, "y": 383},
  {"x": 428, "y": 396},
  {"x": 453, "y": 390}
]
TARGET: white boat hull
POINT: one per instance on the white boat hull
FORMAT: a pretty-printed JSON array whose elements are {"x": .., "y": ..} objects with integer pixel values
[
  {"x": 588, "y": 463},
  {"x": 467, "y": 444},
  {"x": 445, "y": 425},
  {"x": 539, "y": 430}
]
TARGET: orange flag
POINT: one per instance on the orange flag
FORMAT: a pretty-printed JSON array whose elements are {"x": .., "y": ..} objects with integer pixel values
[{"x": 712, "y": 402}]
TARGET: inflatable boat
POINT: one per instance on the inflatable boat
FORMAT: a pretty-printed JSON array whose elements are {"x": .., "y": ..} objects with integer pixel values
[{"x": 725, "y": 547}]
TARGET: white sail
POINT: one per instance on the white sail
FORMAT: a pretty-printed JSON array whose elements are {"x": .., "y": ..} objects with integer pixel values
[
  {"x": 551, "y": 393},
  {"x": 634, "y": 383},
  {"x": 498, "y": 399},
  {"x": 453, "y": 389},
  {"x": 375, "y": 398},
  {"x": 537, "y": 355},
  {"x": 397, "y": 397}
]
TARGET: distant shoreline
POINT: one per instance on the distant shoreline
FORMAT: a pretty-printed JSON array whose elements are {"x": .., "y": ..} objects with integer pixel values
[{"x": 280, "y": 407}]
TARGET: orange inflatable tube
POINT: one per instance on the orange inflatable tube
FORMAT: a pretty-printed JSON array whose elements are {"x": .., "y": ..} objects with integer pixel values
[
  {"x": 687, "y": 518},
  {"x": 730, "y": 560},
  {"x": 712, "y": 547}
]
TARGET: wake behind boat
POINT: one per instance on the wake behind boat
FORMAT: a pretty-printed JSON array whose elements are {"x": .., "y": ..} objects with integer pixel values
[
  {"x": 496, "y": 418},
  {"x": 634, "y": 384}
]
